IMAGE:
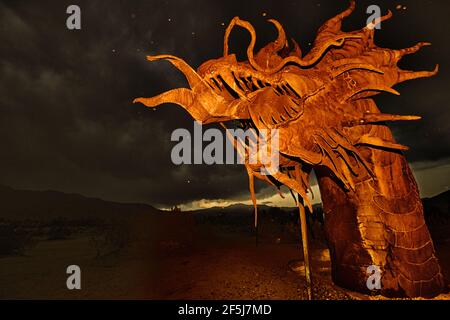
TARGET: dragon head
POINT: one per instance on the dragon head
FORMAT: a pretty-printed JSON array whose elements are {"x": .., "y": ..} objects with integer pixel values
[{"x": 319, "y": 101}]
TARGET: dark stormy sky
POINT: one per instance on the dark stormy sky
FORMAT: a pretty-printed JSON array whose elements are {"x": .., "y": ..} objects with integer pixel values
[{"x": 67, "y": 121}]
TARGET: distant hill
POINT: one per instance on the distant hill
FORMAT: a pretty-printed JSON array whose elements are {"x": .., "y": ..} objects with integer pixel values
[
  {"x": 243, "y": 215},
  {"x": 437, "y": 204},
  {"x": 43, "y": 205},
  {"x": 243, "y": 208},
  {"x": 441, "y": 201},
  {"x": 437, "y": 209}
]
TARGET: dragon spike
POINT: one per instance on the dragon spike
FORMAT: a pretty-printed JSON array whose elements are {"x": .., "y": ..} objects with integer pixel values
[
  {"x": 297, "y": 51},
  {"x": 380, "y": 143},
  {"x": 310, "y": 59},
  {"x": 374, "y": 88},
  {"x": 371, "y": 26},
  {"x": 236, "y": 21},
  {"x": 251, "y": 179},
  {"x": 403, "y": 52},
  {"x": 192, "y": 77},
  {"x": 248, "y": 26},
  {"x": 281, "y": 41},
  {"x": 381, "y": 117},
  {"x": 189, "y": 99},
  {"x": 335, "y": 23},
  {"x": 370, "y": 118},
  {"x": 182, "y": 96},
  {"x": 411, "y": 75}
]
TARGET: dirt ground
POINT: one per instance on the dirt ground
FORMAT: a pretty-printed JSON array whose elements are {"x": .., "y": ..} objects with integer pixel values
[{"x": 174, "y": 260}]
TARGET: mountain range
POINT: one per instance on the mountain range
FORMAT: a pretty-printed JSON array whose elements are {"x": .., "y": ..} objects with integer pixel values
[{"x": 41, "y": 205}]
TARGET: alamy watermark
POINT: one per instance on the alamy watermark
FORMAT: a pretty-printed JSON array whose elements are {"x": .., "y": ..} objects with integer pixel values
[
  {"x": 374, "y": 280},
  {"x": 74, "y": 279},
  {"x": 375, "y": 12},
  {"x": 73, "y": 21},
  {"x": 259, "y": 148}
]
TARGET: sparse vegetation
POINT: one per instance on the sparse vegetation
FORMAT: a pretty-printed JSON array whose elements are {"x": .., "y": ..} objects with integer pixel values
[
  {"x": 59, "y": 229},
  {"x": 110, "y": 238},
  {"x": 15, "y": 238}
]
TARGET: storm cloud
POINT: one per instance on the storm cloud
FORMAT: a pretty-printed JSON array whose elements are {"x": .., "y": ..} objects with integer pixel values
[{"x": 67, "y": 121}]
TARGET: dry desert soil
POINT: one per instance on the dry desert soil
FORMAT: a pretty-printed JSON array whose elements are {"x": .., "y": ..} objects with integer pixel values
[{"x": 173, "y": 256}]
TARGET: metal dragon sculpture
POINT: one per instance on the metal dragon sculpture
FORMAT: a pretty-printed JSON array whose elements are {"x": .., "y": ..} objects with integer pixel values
[{"x": 321, "y": 103}]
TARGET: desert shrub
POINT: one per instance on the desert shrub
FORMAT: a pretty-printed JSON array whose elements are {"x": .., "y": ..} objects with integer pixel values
[
  {"x": 59, "y": 229},
  {"x": 110, "y": 238},
  {"x": 14, "y": 239}
]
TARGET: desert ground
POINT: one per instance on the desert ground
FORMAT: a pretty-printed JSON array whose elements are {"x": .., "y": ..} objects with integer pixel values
[{"x": 175, "y": 256}]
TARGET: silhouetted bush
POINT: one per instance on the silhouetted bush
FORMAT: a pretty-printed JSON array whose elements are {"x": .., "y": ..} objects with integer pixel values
[
  {"x": 59, "y": 229},
  {"x": 110, "y": 238},
  {"x": 14, "y": 239}
]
